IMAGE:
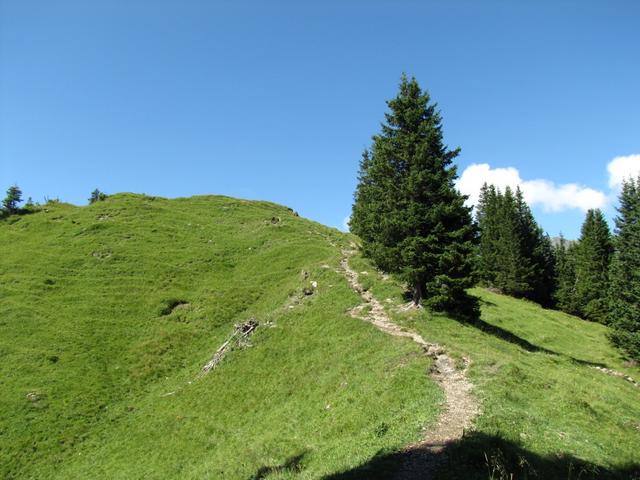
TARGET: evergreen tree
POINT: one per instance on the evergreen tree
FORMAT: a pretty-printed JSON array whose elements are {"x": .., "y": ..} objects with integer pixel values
[
  {"x": 537, "y": 250},
  {"x": 411, "y": 219},
  {"x": 624, "y": 305},
  {"x": 501, "y": 263},
  {"x": 513, "y": 264},
  {"x": 11, "y": 201},
  {"x": 565, "y": 293},
  {"x": 489, "y": 228},
  {"x": 592, "y": 258},
  {"x": 515, "y": 255},
  {"x": 544, "y": 282},
  {"x": 97, "y": 196}
]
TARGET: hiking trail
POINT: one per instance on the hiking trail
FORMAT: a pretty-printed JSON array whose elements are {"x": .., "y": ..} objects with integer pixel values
[{"x": 421, "y": 459}]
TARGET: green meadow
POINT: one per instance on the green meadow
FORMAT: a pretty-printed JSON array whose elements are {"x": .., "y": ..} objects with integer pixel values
[
  {"x": 546, "y": 411},
  {"x": 109, "y": 312}
]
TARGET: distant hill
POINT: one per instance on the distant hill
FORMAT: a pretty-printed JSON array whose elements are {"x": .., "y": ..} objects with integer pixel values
[
  {"x": 555, "y": 241},
  {"x": 111, "y": 311}
]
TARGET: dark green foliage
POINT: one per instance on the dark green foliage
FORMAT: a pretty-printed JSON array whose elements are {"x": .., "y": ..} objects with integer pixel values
[
  {"x": 624, "y": 304},
  {"x": 410, "y": 217},
  {"x": 544, "y": 284},
  {"x": 11, "y": 201},
  {"x": 537, "y": 249},
  {"x": 515, "y": 254},
  {"x": 565, "y": 294},
  {"x": 97, "y": 196},
  {"x": 592, "y": 259},
  {"x": 487, "y": 220},
  {"x": 503, "y": 262}
]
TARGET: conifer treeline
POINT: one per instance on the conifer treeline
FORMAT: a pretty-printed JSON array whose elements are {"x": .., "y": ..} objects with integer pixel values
[
  {"x": 583, "y": 270},
  {"x": 515, "y": 254},
  {"x": 597, "y": 277},
  {"x": 414, "y": 223},
  {"x": 624, "y": 300}
]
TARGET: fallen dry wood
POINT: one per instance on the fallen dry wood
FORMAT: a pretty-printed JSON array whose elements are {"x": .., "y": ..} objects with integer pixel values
[{"x": 240, "y": 333}]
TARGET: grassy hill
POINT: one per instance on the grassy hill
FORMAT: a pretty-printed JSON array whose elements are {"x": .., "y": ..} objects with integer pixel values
[
  {"x": 110, "y": 311},
  {"x": 91, "y": 345}
]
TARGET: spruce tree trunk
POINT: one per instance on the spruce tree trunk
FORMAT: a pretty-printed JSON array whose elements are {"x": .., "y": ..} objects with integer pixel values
[{"x": 417, "y": 293}]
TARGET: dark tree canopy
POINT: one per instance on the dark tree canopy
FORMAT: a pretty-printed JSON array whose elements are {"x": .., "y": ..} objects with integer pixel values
[
  {"x": 515, "y": 254},
  {"x": 11, "y": 201},
  {"x": 97, "y": 196},
  {"x": 565, "y": 294},
  {"x": 592, "y": 258},
  {"x": 411, "y": 219},
  {"x": 624, "y": 304}
]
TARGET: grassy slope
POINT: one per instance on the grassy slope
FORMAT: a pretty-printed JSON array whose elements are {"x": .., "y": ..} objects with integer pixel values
[
  {"x": 82, "y": 291},
  {"x": 318, "y": 393},
  {"x": 541, "y": 399}
]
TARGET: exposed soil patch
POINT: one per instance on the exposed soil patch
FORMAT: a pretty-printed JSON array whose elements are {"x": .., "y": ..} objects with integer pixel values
[
  {"x": 172, "y": 305},
  {"x": 420, "y": 460}
]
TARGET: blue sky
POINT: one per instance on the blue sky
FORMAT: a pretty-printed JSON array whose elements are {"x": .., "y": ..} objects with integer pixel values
[{"x": 277, "y": 100}]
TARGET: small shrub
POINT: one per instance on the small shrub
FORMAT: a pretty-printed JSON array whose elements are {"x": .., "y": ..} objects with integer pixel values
[{"x": 97, "y": 196}]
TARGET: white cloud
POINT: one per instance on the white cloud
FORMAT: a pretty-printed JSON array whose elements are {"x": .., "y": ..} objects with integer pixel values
[
  {"x": 345, "y": 223},
  {"x": 623, "y": 168},
  {"x": 552, "y": 197},
  {"x": 475, "y": 175}
]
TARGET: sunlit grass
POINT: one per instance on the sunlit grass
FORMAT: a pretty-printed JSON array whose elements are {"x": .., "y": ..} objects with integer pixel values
[
  {"x": 110, "y": 311},
  {"x": 532, "y": 370}
]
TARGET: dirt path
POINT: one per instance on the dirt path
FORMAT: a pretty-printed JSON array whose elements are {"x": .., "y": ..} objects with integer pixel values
[
  {"x": 615, "y": 373},
  {"x": 422, "y": 459}
]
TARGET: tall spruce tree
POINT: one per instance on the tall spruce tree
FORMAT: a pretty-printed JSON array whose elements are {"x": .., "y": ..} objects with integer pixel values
[
  {"x": 536, "y": 248},
  {"x": 545, "y": 280},
  {"x": 411, "y": 219},
  {"x": 592, "y": 258},
  {"x": 565, "y": 293},
  {"x": 624, "y": 304},
  {"x": 502, "y": 264},
  {"x": 513, "y": 263},
  {"x": 515, "y": 254},
  {"x": 489, "y": 228}
]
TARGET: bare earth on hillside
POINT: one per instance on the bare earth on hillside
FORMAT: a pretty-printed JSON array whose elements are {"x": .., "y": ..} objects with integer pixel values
[{"x": 422, "y": 459}]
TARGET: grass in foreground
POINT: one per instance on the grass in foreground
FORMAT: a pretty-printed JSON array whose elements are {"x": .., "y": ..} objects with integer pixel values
[{"x": 546, "y": 413}]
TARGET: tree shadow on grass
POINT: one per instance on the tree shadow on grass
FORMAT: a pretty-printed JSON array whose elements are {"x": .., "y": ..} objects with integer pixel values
[
  {"x": 16, "y": 216},
  {"x": 508, "y": 336},
  {"x": 488, "y": 303},
  {"x": 511, "y": 337},
  {"x": 480, "y": 456},
  {"x": 291, "y": 465}
]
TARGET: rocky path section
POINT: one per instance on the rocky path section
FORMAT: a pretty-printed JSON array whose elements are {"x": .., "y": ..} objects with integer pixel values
[
  {"x": 615, "y": 373},
  {"x": 422, "y": 459}
]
